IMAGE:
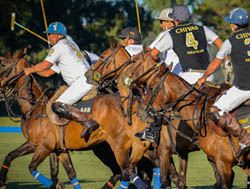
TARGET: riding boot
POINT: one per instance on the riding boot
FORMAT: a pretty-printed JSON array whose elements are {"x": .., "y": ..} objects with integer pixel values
[
  {"x": 72, "y": 113},
  {"x": 230, "y": 124},
  {"x": 236, "y": 129},
  {"x": 151, "y": 132}
]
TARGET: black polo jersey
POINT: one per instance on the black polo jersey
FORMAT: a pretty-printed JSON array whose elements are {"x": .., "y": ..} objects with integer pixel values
[
  {"x": 190, "y": 44},
  {"x": 240, "y": 55}
]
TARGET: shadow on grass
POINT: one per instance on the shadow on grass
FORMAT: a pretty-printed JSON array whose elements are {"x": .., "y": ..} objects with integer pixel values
[
  {"x": 30, "y": 185},
  {"x": 210, "y": 187}
]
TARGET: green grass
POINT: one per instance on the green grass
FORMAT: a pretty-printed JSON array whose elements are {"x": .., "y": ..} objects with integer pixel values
[{"x": 91, "y": 173}]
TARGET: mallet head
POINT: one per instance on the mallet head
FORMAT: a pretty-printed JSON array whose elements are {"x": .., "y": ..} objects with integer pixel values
[{"x": 12, "y": 23}]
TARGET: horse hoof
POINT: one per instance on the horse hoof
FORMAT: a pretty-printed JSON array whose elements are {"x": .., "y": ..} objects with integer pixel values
[{"x": 60, "y": 185}]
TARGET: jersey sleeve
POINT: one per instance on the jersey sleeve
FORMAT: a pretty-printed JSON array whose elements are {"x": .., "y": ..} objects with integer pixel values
[
  {"x": 224, "y": 50},
  {"x": 53, "y": 55},
  {"x": 55, "y": 68},
  {"x": 210, "y": 35},
  {"x": 164, "y": 43},
  {"x": 152, "y": 45}
]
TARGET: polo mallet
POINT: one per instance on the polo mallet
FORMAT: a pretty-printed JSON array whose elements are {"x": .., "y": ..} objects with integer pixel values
[
  {"x": 45, "y": 22},
  {"x": 13, "y": 23},
  {"x": 138, "y": 17}
]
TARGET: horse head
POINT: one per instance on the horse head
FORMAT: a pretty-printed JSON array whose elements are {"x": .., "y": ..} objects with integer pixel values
[
  {"x": 108, "y": 67},
  {"x": 11, "y": 67},
  {"x": 144, "y": 69}
]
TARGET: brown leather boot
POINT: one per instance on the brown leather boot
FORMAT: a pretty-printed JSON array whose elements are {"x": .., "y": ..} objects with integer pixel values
[
  {"x": 234, "y": 127},
  {"x": 72, "y": 113}
]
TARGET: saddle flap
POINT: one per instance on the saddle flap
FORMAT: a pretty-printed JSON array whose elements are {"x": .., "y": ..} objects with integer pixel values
[
  {"x": 53, "y": 117},
  {"x": 243, "y": 114}
]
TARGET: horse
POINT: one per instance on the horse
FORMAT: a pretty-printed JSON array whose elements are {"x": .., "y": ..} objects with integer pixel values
[
  {"x": 43, "y": 139},
  {"x": 166, "y": 91},
  {"x": 42, "y": 135},
  {"x": 113, "y": 63}
]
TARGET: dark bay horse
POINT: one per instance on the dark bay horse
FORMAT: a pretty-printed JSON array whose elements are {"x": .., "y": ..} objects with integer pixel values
[
  {"x": 173, "y": 91},
  {"x": 114, "y": 62},
  {"x": 42, "y": 135}
]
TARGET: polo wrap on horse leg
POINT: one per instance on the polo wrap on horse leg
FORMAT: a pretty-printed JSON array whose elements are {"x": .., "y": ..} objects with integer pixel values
[{"x": 72, "y": 113}]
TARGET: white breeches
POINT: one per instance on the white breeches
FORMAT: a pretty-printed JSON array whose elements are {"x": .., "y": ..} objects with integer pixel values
[
  {"x": 76, "y": 91},
  {"x": 231, "y": 99}
]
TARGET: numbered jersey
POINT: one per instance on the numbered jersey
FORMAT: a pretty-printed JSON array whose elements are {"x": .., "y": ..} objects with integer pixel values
[
  {"x": 67, "y": 59},
  {"x": 190, "y": 44},
  {"x": 240, "y": 55}
]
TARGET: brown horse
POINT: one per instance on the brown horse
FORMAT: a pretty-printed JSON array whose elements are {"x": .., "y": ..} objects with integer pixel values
[
  {"x": 42, "y": 135},
  {"x": 113, "y": 64},
  {"x": 192, "y": 104}
]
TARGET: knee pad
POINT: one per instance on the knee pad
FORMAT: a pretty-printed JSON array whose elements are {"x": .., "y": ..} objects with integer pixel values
[{"x": 61, "y": 110}]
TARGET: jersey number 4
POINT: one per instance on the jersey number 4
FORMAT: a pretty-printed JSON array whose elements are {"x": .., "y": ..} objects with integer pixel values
[
  {"x": 247, "y": 42},
  {"x": 190, "y": 40}
]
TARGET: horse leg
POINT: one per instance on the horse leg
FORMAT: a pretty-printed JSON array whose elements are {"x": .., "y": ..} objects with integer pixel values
[
  {"x": 40, "y": 154},
  {"x": 69, "y": 168},
  {"x": 54, "y": 170},
  {"x": 173, "y": 173},
  {"x": 164, "y": 156},
  {"x": 122, "y": 157},
  {"x": 106, "y": 155},
  {"x": 226, "y": 173},
  {"x": 248, "y": 182},
  {"x": 138, "y": 151},
  {"x": 145, "y": 170},
  {"x": 218, "y": 178},
  {"x": 22, "y": 150},
  {"x": 183, "y": 161}
]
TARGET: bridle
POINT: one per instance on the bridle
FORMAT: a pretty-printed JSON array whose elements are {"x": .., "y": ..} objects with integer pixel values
[
  {"x": 10, "y": 93},
  {"x": 101, "y": 78}
]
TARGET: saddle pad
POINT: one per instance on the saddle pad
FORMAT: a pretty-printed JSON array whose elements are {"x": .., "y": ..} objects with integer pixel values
[
  {"x": 243, "y": 116},
  {"x": 85, "y": 106}
]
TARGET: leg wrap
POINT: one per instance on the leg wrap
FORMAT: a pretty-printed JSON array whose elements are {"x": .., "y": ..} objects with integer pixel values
[
  {"x": 124, "y": 184},
  {"x": 76, "y": 183},
  {"x": 137, "y": 181},
  {"x": 41, "y": 178},
  {"x": 157, "y": 181}
]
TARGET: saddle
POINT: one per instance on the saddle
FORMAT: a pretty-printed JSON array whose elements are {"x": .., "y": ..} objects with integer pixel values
[
  {"x": 241, "y": 113},
  {"x": 84, "y": 105}
]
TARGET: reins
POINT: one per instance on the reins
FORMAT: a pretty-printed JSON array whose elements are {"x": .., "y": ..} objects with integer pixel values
[{"x": 28, "y": 87}]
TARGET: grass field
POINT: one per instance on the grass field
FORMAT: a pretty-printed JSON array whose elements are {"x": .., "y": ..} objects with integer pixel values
[{"x": 91, "y": 173}]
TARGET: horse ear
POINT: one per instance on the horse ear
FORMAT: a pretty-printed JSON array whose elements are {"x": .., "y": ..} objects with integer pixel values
[
  {"x": 20, "y": 53},
  {"x": 112, "y": 42},
  {"x": 170, "y": 66},
  {"x": 8, "y": 55},
  {"x": 162, "y": 69}
]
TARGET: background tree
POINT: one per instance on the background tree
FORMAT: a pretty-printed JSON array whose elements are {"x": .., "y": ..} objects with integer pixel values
[{"x": 90, "y": 23}]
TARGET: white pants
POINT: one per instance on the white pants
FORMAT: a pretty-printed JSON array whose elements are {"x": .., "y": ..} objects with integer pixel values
[
  {"x": 76, "y": 91},
  {"x": 231, "y": 99},
  {"x": 192, "y": 77}
]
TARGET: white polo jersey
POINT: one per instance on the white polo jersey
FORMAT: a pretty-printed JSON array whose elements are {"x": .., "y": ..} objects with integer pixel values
[
  {"x": 134, "y": 49},
  {"x": 169, "y": 56},
  {"x": 68, "y": 60}
]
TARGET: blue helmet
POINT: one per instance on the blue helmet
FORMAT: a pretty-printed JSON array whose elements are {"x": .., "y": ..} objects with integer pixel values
[
  {"x": 57, "y": 28},
  {"x": 237, "y": 16}
]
